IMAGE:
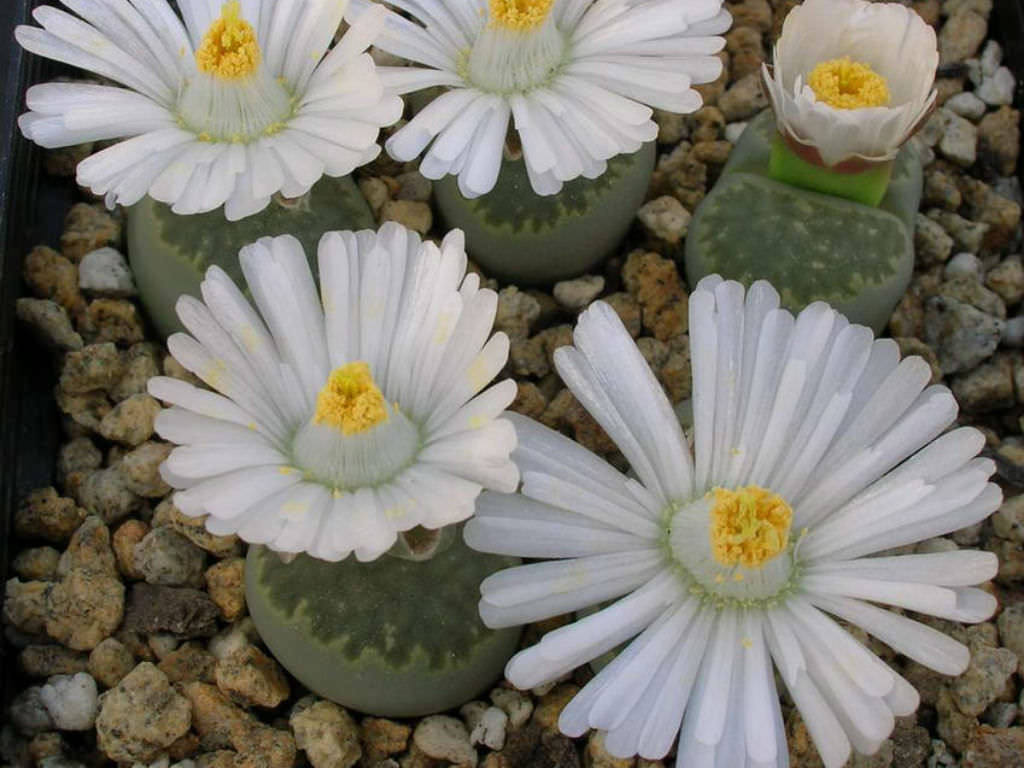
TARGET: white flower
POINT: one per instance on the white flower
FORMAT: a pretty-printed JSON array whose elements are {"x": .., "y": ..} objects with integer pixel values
[
  {"x": 852, "y": 79},
  {"x": 337, "y": 427},
  {"x": 577, "y": 76},
  {"x": 221, "y": 110},
  {"x": 816, "y": 449}
]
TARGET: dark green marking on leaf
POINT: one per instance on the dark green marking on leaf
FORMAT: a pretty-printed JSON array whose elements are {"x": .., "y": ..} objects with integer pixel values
[
  {"x": 389, "y": 607},
  {"x": 513, "y": 204},
  {"x": 811, "y": 239},
  {"x": 205, "y": 238}
]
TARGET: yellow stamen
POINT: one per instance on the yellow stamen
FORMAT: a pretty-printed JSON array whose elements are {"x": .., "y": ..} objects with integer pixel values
[
  {"x": 520, "y": 15},
  {"x": 749, "y": 526},
  {"x": 229, "y": 50},
  {"x": 847, "y": 84},
  {"x": 350, "y": 401}
]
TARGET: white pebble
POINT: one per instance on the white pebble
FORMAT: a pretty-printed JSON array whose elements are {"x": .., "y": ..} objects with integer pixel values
[
  {"x": 1013, "y": 332},
  {"x": 517, "y": 706},
  {"x": 991, "y": 57},
  {"x": 105, "y": 272},
  {"x": 964, "y": 264},
  {"x": 445, "y": 738},
  {"x": 578, "y": 293},
  {"x": 998, "y": 89},
  {"x": 71, "y": 701},
  {"x": 967, "y": 104},
  {"x": 734, "y": 130},
  {"x": 490, "y": 729},
  {"x": 238, "y": 635}
]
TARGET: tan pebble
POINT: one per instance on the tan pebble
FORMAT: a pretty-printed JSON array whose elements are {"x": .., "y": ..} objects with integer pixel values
[
  {"x": 140, "y": 364},
  {"x": 36, "y": 563},
  {"x": 225, "y": 582},
  {"x": 84, "y": 609},
  {"x": 46, "y": 515},
  {"x": 193, "y": 529},
  {"x": 49, "y": 660},
  {"x": 140, "y": 469},
  {"x": 327, "y": 734},
  {"x": 87, "y": 410},
  {"x": 414, "y": 215},
  {"x": 110, "y": 662},
  {"x": 44, "y": 745},
  {"x": 262, "y": 747},
  {"x": 445, "y": 738},
  {"x": 51, "y": 276},
  {"x": 549, "y": 708},
  {"x": 383, "y": 737},
  {"x": 130, "y": 533},
  {"x": 25, "y": 605},
  {"x": 595, "y": 755},
  {"x": 376, "y": 193},
  {"x": 104, "y": 493},
  {"x": 214, "y": 715},
  {"x": 49, "y": 322},
  {"x": 189, "y": 663},
  {"x": 97, "y": 366},
  {"x": 88, "y": 226},
  {"x": 530, "y": 401},
  {"x": 89, "y": 549},
  {"x": 252, "y": 678},
  {"x": 131, "y": 421},
  {"x": 116, "y": 320},
  {"x": 77, "y": 457}
]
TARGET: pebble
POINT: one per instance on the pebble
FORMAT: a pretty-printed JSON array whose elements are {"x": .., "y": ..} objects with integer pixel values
[
  {"x": 110, "y": 662},
  {"x": 130, "y": 533},
  {"x": 445, "y": 738},
  {"x": 985, "y": 678},
  {"x": 141, "y": 716},
  {"x": 251, "y": 678},
  {"x": 665, "y": 219},
  {"x": 991, "y": 57},
  {"x": 181, "y": 611},
  {"x": 87, "y": 227},
  {"x": 970, "y": 291},
  {"x": 997, "y": 89},
  {"x": 106, "y": 494},
  {"x": 191, "y": 662},
  {"x": 578, "y": 293},
  {"x": 192, "y": 528},
  {"x": 49, "y": 660},
  {"x": 167, "y": 558},
  {"x": 28, "y": 713},
  {"x": 50, "y": 323},
  {"x": 262, "y": 747},
  {"x": 517, "y": 312},
  {"x": 746, "y": 50},
  {"x": 214, "y": 716},
  {"x": 75, "y": 459},
  {"x": 140, "y": 364},
  {"x": 131, "y": 421},
  {"x": 46, "y": 515},
  {"x": 654, "y": 282},
  {"x": 105, "y": 272},
  {"x": 71, "y": 701},
  {"x": 991, "y": 747},
  {"x": 116, "y": 320},
  {"x": 382, "y": 737},
  {"x": 932, "y": 244},
  {"x": 743, "y": 99},
  {"x": 940, "y": 188},
  {"x": 953, "y": 726},
  {"x": 162, "y": 644},
  {"x": 596, "y": 755},
  {"x": 415, "y": 215},
  {"x": 961, "y": 36},
  {"x": 327, "y": 734},
  {"x": 487, "y": 725},
  {"x": 89, "y": 549},
  {"x": 999, "y": 215},
  {"x": 961, "y": 335},
  {"x": 966, "y": 104},
  {"x": 238, "y": 635},
  {"x": 140, "y": 469},
  {"x": 1000, "y": 714},
  {"x": 225, "y": 581},
  {"x": 999, "y": 140},
  {"x": 25, "y": 605},
  {"x": 517, "y": 705},
  {"x": 959, "y": 143},
  {"x": 50, "y": 276},
  {"x": 1007, "y": 279},
  {"x": 414, "y": 186},
  {"x": 36, "y": 563},
  {"x": 734, "y": 130},
  {"x": 964, "y": 263},
  {"x": 84, "y": 608},
  {"x": 376, "y": 193}
]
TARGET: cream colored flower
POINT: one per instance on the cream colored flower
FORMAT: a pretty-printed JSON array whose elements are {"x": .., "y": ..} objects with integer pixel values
[{"x": 852, "y": 79}]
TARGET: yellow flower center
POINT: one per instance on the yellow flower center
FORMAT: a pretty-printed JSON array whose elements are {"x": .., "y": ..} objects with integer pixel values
[
  {"x": 350, "y": 401},
  {"x": 749, "y": 526},
  {"x": 229, "y": 50},
  {"x": 847, "y": 84},
  {"x": 520, "y": 15}
]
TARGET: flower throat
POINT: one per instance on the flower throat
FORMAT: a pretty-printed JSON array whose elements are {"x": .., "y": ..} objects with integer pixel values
[{"x": 519, "y": 49}]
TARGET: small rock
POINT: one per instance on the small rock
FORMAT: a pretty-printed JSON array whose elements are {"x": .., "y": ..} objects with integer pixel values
[
  {"x": 672, "y": 127},
  {"x": 665, "y": 219},
  {"x": 110, "y": 662},
  {"x": 167, "y": 558},
  {"x": 1011, "y": 618},
  {"x": 25, "y": 605},
  {"x": 954, "y": 727},
  {"x": 655, "y": 283},
  {"x": 986, "y": 388},
  {"x": 162, "y": 644},
  {"x": 744, "y": 98},
  {"x": 84, "y": 609},
  {"x": 262, "y": 747},
  {"x": 961, "y": 335},
  {"x": 105, "y": 493},
  {"x": 376, "y": 193},
  {"x": 967, "y": 290},
  {"x": 515, "y": 704},
  {"x": 89, "y": 549},
  {"x": 28, "y": 713},
  {"x": 214, "y": 716},
  {"x": 140, "y": 469},
  {"x": 530, "y": 400},
  {"x": 628, "y": 310},
  {"x": 141, "y": 716},
  {"x": 1007, "y": 279},
  {"x": 78, "y": 457},
  {"x": 445, "y": 738},
  {"x": 409, "y": 213},
  {"x": 36, "y": 563},
  {"x": 189, "y": 663},
  {"x": 966, "y": 104},
  {"x": 577, "y": 294},
  {"x": 486, "y": 724},
  {"x": 708, "y": 123},
  {"x": 932, "y": 244},
  {"x": 1000, "y": 215},
  {"x": 49, "y": 660},
  {"x": 940, "y": 188},
  {"x": 131, "y": 420},
  {"x": 192, "y": 528},
  {"x": 50, "y": 323},
  {"x": 184, "y": 612},
  {"x": 414, "y": 186},
  {"x": 997, "y": 89},
  {"x": 225, "y": 582},
  {"x": 746, "y": 50},
  {"x": 125, "y": 538},
  {"x": 105, "y": 272},
  {"x": 252, "y": 678},
  {"x": 595, "y": 755},
  {"x": 985, "y": 678},
  {"x": 960, "y": 141},
  {"x": 517, "y": 312},
  {"x": 140, "y": 363},
  {"x": 999, "y": 140},
  {"x": 71, "y": 701},
  {"x": 995, "y": 748},
  {"x": 239, "y": 635},
  {"x": 50, "y": 276},
  {"x": 964, "y": 264},
  {"x": 116, "y": 320},
  {"x": 327, "y": 734},
  {"x": 383, "y": 737},
  {"x": 1000, "y": 714},
  {"x": 961, "y": 36},
  {"x": 733, "y": 131},
  {"x": 88, "y": 226}
]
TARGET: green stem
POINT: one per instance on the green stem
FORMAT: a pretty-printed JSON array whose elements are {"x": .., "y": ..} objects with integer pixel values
[{"x": 867, "y": 187}]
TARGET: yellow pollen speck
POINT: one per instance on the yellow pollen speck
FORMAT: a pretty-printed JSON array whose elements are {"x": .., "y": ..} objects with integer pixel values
[
  {"x": 738, "y": 576},
  {"x": 285, "y": 470},
  {"x": 229, "y": 50},
  {"x": 848, "y": 84},
  {"x": 350, "y": 401},
  {"x": 747, "y": 642},
  {"x": 749, "y": 526},
  {"x": 520, "y": 15}
]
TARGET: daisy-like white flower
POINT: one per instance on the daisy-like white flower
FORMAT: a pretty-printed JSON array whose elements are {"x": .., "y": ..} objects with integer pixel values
[
  {"x": 852, "y": 80},
  {"x": 816, "y": 449},
  {"x": 577, "y": 76},
  {"x": 335, "y": 426},
  {"x": 229, "y": 108}
]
